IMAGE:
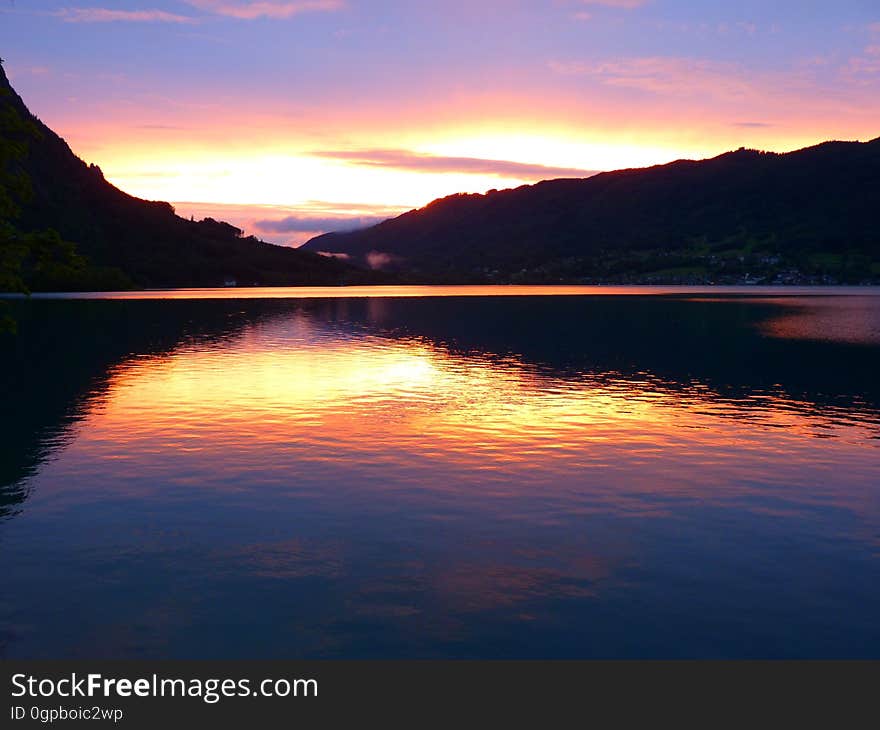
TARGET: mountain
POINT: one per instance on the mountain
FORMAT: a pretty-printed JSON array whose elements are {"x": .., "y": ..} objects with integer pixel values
[
  {"x": 804, "y": 216},
  {"x": 144, "y": 240}
]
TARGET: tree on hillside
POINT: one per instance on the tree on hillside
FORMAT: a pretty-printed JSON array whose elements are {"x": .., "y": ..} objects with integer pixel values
[{"x": 40, "y": 253}]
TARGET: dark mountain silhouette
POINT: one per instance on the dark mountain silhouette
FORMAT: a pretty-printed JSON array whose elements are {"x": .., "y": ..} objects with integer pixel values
[
  {"x": 151, "y": 245},
  {"x": 809, "y": 215}
]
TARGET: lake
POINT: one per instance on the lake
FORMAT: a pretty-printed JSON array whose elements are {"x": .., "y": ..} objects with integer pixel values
[{"x": 442, "y": 472}]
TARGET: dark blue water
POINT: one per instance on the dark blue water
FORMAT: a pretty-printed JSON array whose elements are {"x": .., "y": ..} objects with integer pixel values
[{"x": 678, "y": 475}]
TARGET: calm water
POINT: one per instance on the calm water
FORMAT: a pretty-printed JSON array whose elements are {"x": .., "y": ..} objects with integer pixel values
[{"x": 600, "y": 473}]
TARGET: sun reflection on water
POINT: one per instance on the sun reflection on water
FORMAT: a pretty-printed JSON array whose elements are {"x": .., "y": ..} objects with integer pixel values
[
  {"x": 283, "y": 401},
  {"x": 324, "y": 481}
]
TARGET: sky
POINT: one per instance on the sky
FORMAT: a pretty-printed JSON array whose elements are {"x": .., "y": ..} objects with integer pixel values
[{"x": 294, "y": 118}]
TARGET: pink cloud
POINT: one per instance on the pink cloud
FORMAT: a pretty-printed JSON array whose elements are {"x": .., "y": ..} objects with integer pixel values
[
  {"x": 864, "y": 68},
  {"x": 292, "y": 226},
  {"x": 664, "y": 75},
  {"x": 310, "y": 223},
  {"x": 626, "y": 4},
  {"x": 253, "y": 10},
  {"x": 107, "y": 15}
]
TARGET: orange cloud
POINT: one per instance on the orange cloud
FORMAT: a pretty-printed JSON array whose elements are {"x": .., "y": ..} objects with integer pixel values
[
  {"x": 107, "y": 15},
  {"x": 253, "y": 10}
]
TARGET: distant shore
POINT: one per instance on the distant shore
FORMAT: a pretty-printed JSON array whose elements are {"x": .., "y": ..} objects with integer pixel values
[{"x": 458, "y": 290}]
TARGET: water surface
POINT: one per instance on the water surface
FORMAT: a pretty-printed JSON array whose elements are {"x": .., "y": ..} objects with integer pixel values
[{"x": 552, "y": 473}]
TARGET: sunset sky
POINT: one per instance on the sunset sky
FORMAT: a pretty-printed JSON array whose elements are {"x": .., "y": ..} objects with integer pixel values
[{"x": 293, "y": 118}]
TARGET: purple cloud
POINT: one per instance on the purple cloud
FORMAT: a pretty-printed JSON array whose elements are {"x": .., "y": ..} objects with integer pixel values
[
  {"x": 310, "y": 224},
  {"x": 625, "y": 4},
  {"x": 408, "y": 160},
  {"x": 108, "y": 15},
  {"x": 252, "y": 10}
]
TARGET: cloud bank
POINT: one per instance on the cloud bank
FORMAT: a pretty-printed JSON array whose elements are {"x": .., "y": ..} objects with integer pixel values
[
  {"x": 108, "y": 15},
  {"x": 625, "y": 4},
  {"x": 254, "y": 10},
  {"x": 664, "y": 75},
  {"x": 409, "y": 160},
  {"x": 309, "y": 224}
]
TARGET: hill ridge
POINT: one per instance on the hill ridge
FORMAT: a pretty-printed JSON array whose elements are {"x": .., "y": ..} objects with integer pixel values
[
  {"x": 744, "y": 215},
  {"x": 145, "y": 239}
]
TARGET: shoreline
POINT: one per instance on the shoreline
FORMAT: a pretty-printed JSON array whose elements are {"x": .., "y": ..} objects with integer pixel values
[{"x": 455, "y": 290}]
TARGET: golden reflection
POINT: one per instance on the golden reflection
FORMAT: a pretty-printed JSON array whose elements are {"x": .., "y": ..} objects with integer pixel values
[
  {"x": 284, "y": 399},
  {"x": 316, "y": 480}
]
